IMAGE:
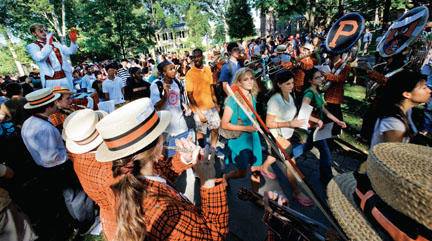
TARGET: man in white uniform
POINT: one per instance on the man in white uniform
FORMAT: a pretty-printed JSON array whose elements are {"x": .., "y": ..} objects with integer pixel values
[{"x": 52, "y": 57}]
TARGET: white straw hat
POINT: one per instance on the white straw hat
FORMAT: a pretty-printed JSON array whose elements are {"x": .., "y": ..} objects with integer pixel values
[
  {"x": 399, "y": 201},
  {"x": 129, "y": 129},
  {"x": 62, "y": 90},
  {"x": 40, "y": 98},
  {"x": 280, "y": 49},
  {"x": 79, "y": 130}
]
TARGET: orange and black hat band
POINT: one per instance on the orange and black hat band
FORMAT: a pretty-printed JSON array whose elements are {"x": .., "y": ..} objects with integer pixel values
[
  {"x": 134, "y": 135},
  {"x": 89, "y": 139},
  {"x": 41, "y": 100}
]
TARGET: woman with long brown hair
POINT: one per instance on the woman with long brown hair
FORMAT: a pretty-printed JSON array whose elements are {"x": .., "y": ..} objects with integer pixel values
[{"x": 148, "y": 205}]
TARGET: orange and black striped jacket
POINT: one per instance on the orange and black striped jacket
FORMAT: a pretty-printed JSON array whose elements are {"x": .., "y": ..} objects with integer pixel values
[
  {"x": 168, "y": 216},
  {"x": 95, "y": 178},
  {"x": 299, "y": 73},
  {"x": 335, "y": 92}
]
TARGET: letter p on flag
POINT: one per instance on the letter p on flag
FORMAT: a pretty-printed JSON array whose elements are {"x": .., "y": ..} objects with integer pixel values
[{"x": 342, "y": 32}]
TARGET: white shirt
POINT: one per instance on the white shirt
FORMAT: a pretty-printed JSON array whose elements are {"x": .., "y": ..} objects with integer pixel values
[
  {"x": 87, "y": 81},
  {"x": 40, "y": 55},
  {"x": 173, "y": 105},
  {"x": 114, "y": 89},
  {"x": 123, "y": 74},
  {"x": 283, "y": 111},
  {"x": 44, "y": 142},
  {"x": 257, "y": 49},
  {"x": 386, "y": 124}
]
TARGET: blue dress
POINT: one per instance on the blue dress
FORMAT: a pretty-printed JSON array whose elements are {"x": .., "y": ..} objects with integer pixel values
[{"x": 245, "y": 149}]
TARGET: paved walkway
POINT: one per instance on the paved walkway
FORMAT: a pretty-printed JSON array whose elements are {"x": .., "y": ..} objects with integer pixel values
[{"x": 245, "y": 218}]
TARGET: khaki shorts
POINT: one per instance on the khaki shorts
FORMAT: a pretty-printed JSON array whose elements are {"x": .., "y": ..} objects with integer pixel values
[{"x": 213, "y": 121}]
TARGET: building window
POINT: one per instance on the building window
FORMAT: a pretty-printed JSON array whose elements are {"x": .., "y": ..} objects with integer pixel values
[{"x": 171, "y": 36}]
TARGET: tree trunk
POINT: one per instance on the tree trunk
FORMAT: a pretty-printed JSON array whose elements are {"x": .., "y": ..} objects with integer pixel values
[
  {"x": 376, "y": 21},
  {"x": 312, "y": 16},
  {"x": 340, "y": 8},
  {"x": 227, "y": 38},
  {"x": 386, "y": 13},
  {"x": 63, "y": 29},
  {"x": 11, "y": 49}
]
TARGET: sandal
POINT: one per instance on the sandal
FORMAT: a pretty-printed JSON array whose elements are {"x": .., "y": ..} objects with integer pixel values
[
  {"x": 306, "y": 202},
  {"x": 268, "y": 174}
]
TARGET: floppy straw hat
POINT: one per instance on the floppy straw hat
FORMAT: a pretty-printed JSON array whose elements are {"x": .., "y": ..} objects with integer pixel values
[
  {"x": 40, "y": 98},
  {"x": 79, "y": 130},
  {"x": 399, "y": 204},
  {"x": 62, "y": 90},
  {"x": 129, "y": 129}
]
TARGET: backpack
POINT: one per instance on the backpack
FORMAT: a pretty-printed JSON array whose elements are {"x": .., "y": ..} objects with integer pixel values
[
  {"x": 183, "y": 98},
  {"x": 184, "y": 101}
]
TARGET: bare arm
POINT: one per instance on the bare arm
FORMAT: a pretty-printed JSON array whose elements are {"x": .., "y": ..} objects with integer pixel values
[
  {"x": 225, "y": 122},
  {"x": 225, "y": 88},
  {"x": 164, "y": 98},
  {"x": 213, "y": 95},
  {"x": 393, "y": 136},
  {"x": 313, "y": 119},
  {"x": 271, "y": 122},
  {"x": 333, "y": 118},
  {"x": 193, "y": 103}
]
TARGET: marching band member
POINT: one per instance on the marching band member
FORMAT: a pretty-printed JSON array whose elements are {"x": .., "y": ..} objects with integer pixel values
[
  {"x": 305, "y": 64},
  {"x": 335, "y": 93},
  {"x": 82, "y": 141},
  {"x": 52, "y": 57},
  {"x": 148, "y": 205},
  {"x": 64, "y": 107}
]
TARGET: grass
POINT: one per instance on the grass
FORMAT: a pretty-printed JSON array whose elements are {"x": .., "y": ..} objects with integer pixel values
[{"x": 94, "y": 238}]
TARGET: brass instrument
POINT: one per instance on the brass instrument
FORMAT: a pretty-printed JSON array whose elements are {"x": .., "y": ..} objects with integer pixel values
[{"x": 405, "y": 37}]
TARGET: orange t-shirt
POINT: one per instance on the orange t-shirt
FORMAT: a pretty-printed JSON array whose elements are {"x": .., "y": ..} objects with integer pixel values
[{"x": 199, "y": 81}]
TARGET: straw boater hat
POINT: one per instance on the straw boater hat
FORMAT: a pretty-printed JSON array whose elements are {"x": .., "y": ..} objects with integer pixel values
[
  {"x": 62, "y": 90},
  {"x": 393, "y": 200},
  {"x": 79, "y": 130},
  {"x": 129, "y": 129},
  {"x": 40, "y": 98},
  {"x": 280, "y": 49}
]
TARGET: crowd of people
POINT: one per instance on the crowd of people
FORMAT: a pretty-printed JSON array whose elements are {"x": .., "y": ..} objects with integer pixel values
[{"x": 69, "y": 166}]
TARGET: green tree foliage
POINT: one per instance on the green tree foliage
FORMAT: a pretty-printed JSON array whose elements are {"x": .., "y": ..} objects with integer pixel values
[
  {"x": 115, "y": 28},
  {"x": 198, "y": 26},
  {"x": 58, "y": 16},
  {"x": 239, "y": 19},
  {"x": 219, "y": 33},
  {"x": 7, "y": 62}
]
